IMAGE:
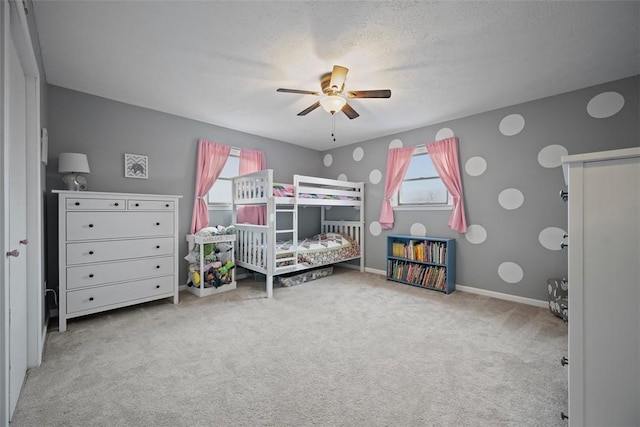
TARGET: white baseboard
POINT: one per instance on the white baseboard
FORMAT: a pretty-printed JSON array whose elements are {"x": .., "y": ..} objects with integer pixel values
[
  {"x": 500, "y": 295},
  {"x": 375, "y": 271},
  {"x": 483, "y": 292}
]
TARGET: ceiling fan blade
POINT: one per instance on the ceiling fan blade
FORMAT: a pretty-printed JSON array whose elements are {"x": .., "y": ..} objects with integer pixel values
[
  {"x": 304, "y": 92},
  {"x": 382, "y": 93},
  {"x": 338, "y": 77},
  {"x": 309, "y": 109},
  {"x": 350, "y": 112}
]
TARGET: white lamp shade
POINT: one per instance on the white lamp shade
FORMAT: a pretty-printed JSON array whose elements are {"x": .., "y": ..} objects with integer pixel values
[
  {"x": 333, "y": 103},
  {"x": 73, "y": 163}
]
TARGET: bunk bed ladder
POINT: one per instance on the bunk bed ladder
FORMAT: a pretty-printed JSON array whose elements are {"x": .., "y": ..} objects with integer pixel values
[
  {"x": 271, "y": 244},
  {"x": 293, "y": 232}
]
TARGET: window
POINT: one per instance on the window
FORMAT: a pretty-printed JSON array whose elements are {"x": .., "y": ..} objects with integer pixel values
[
  {"x": 220, "y": 193},
  {"x": 422, "y": 187}
]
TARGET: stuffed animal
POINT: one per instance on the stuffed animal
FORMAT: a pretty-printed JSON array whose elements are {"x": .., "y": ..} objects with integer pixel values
[
  {"x": 196, "y": 278},
  {"x": 194, "y": 275},
  {"x": 226, "y": 268}
]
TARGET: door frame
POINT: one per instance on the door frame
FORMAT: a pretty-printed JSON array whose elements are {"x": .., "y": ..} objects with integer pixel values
[{"x": 15, "y": 27}]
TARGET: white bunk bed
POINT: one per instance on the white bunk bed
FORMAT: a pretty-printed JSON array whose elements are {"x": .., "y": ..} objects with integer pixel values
[{"x": 273, "y": 251}]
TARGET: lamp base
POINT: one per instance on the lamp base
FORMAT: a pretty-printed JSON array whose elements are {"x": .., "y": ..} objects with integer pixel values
[{"x": 75, "y": 182}]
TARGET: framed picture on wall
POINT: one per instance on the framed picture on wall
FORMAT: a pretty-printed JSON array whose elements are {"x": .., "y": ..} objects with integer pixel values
[{"x": 136, "y": 166}]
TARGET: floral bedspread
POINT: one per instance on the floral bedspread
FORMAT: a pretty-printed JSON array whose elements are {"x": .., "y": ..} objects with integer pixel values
[{"x": 322, "y": 249}]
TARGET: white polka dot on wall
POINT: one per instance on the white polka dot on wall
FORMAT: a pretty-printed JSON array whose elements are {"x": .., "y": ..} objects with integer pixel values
[
  {"x": 444, "y": 133},
  {"x": 475, "y": 166},
  {"x": 511, "y": 124},
  {"x": 358, "y": 154},
  {"x": 328, "y": 159},
  {"x": 396, "y": 143},
  {"x": 342, "y": 177},
  {"x": 511, "y": 198},
  {"x": 605, "y": 105},
  {"x": 375, "y": 176},
  {"x": 510, "y": 272},
  {"x": 476, "y": 234},
  {"x": 551, "y": 237},
  {"x": 551, "y": 156},
  {"x": 418, "y": 229},
  {"x": 375, "y": 228}
]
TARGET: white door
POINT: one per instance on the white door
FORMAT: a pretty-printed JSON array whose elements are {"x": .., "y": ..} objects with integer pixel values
[{"x": 17, "y": 211}]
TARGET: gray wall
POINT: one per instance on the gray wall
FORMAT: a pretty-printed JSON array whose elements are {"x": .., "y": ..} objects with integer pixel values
[
  {"x": 105, "y": 130},
  {"x": 512, "y": 235}
]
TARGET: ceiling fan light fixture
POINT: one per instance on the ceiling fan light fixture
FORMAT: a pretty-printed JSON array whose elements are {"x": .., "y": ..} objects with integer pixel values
[{"x": 332, "y": 103}]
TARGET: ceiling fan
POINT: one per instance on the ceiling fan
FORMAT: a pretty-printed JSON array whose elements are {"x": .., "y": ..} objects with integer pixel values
[{"x": 332, "y": 96}]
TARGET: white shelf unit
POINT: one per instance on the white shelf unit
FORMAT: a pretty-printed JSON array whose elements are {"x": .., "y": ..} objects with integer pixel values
[
  {"x": 193, "y": 240},
  {"x": 604, "y": 291}
]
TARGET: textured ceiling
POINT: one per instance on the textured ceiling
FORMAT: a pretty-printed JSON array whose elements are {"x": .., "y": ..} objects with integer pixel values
[{"x": 220, "y": 62}]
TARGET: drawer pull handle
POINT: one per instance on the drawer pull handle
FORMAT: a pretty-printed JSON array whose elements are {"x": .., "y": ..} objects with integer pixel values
[
  {"x": 563, "y": 245},
  {"x": 564, "y": 195},
  {"x": 24, "y": 242},
  {"x": 77, "y": 203},
  {"x": 157, "y": 266},
  {"x": 157, "y": 223},
  {"x": 90, "y": 252},
  {"x": 116, "y": 204},
  {"x": 13, "y": 253},
  {"x": 157, "y": 246},
  {"x": 564, "y": 361},
  {"x": 90, "y": 225},
  {"x": 91, "y": 275},
  {"x": 90, "y": 298},
  {"x": 167, "y": 205},
  {"x": 563, "y": 416},
  {"x": 157, "y": 286},
  {"x": 137, "y": 204}
]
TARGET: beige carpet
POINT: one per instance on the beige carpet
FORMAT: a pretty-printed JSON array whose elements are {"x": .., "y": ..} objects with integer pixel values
[{"x": 350, "y": 349}]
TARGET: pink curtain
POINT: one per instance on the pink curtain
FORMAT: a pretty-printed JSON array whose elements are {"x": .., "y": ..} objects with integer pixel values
[
  {"x": 211, "y": 160},
  {"x": 252, "y": 161},
  {"x": 444, "y": 155},
  {"x": 398, "y": 161}
]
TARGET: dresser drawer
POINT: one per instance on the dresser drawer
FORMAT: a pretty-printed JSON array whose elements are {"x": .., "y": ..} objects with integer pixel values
[
  {"x": 96, "y": 204},
  {"x": 99, "y": 274},
  {"x": 151, "y": 205},
  {"x": 114, "y": 225},
  {"x": 103, "y": 296},
  {"x": 111, "y": 250}
]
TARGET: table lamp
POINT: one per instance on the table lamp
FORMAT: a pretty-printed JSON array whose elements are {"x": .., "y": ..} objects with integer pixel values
[{"x": 71, "y": 165}]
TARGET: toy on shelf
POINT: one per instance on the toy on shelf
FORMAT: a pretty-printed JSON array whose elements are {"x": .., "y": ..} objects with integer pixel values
[{"x": 211, "y": 260}]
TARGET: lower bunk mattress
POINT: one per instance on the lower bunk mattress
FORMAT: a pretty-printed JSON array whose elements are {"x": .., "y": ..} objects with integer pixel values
[{"x": 321, "y": 249}]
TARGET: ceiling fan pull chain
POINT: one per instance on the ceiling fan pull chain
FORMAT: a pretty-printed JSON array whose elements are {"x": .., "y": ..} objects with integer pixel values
[{"x": 333, "y": 127}]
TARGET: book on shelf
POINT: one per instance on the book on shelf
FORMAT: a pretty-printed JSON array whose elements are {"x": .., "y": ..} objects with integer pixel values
[
  {"x": 431, "y": 276},
  {"x": 424, "y": 251}
]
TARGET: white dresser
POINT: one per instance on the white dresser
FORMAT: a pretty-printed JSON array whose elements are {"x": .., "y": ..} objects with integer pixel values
[
  {"x": 604, "y": 288},
  {"x": 115, "y": 250}
]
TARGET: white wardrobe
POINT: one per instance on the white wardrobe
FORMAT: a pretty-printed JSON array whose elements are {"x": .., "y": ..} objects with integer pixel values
[{"x": 604, "y": 287}]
